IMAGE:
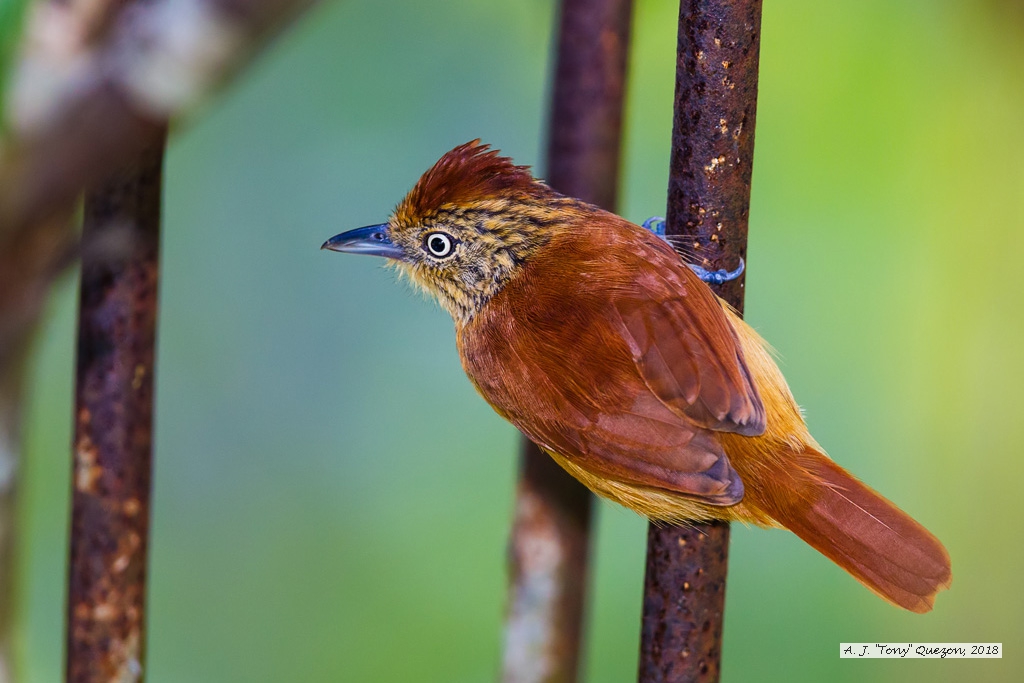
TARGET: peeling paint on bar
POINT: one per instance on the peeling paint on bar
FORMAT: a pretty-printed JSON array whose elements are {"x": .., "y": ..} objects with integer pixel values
[
  {"x": 114, "y": 427},
  {"x": 550, "y": 539},
  {"x": 709, "y": 203}
]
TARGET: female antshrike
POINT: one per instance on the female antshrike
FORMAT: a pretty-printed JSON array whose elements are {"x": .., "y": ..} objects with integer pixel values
[{"x": 594, "y": 338}]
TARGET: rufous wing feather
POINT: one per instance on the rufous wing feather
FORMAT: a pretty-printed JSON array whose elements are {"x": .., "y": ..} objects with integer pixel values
[
  {"x": 683, "y": 346},
  {"x": 564, "y": 365}
]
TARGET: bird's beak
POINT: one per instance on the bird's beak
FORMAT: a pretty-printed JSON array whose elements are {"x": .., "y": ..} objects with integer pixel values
[{"x": 373, "y": 240}]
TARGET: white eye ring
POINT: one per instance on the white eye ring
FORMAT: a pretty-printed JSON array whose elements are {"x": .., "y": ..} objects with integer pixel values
[{"x": 439, "y": 244}]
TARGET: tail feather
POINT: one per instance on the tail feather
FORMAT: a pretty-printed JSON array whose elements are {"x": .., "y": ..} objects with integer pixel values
[{"x": 868, "y": 536}]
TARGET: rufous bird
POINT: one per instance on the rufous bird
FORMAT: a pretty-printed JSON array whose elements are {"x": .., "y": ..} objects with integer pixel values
[{"x": 593, "y": 337}]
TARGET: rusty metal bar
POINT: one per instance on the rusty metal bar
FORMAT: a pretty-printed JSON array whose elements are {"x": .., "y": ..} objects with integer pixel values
[
  {"x": 549, "y": 545},
  {"x": 585, "y": 134},
  {"x": 709, "y": 203},
  {"x": 113, "y": 425}
]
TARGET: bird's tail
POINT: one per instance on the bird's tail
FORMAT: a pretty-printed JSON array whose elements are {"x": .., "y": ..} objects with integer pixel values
[{"x": 868, "y": 536}]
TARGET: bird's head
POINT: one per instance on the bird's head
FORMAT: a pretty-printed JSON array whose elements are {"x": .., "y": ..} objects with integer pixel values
[{"x": 465, "y": 229}]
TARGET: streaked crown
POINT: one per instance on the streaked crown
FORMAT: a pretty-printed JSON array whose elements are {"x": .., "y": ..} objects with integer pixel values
[
  {"x": 469, "y": 225},
  {"x": 470, "y": 173}
]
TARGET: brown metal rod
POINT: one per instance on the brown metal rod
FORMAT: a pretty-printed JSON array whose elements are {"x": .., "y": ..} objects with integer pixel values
[
  {"x": 114, "y": 425},
  {"x": 549, "y": 545},
  {"x": 709, "y": 203},
  {"x": 585, "y": 134}
]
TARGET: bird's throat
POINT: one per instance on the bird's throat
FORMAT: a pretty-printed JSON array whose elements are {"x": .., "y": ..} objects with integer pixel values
[{"x": 466, "y": 294}]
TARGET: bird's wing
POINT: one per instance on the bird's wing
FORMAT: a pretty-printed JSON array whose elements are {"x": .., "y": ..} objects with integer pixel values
[
  {"x": 599, "y": 415},
  {"x": 627, "y": 378},
  {"x": 683, "y": 345}
]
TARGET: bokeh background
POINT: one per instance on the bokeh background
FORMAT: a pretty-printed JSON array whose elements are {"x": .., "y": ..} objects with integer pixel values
[{"x": 332, "y": 499}]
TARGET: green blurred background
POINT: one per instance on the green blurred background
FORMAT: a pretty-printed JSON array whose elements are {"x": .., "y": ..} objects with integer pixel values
[{"x": 332, "y": 499}]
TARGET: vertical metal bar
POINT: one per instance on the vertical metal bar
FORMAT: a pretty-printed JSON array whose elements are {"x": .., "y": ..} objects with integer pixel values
[
  {"x": 585, "y": 135},
  {"x": 113, "y": 426},
  {"x": 709, "y": 203},
  {"x": 549, "y": 544}
]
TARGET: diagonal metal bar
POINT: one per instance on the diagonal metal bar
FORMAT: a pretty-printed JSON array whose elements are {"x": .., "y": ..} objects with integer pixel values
[
  {"x": 709, "y": 203},
  {"x": 80, "y": 99},
  {"x": 113, "y": 426},
  {"x": 549, "y": 545}
]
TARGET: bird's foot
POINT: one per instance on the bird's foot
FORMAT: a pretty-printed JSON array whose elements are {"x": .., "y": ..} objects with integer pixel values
[
  {"x": 717, "y": 277},
  {"x": 656, "y": 225}
]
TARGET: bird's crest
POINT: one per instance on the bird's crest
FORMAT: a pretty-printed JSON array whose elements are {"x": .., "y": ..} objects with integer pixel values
[{"x": 469, "y": 173}]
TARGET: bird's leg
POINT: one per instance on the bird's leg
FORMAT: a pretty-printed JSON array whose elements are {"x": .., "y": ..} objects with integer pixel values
[
  {"x": 656, "y": 225},
  {"x": 717, "y": 277}
]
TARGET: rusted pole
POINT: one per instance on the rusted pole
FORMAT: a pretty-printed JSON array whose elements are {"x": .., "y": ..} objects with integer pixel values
[
  {"x": 114, "y": 426},
  {"x": 709, "y": 203},
  {"x": 550, "y": 538}
]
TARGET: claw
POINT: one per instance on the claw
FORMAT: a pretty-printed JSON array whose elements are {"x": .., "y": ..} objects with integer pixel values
[
  {"x": 717, "y": 277},
  {"x": 656, "y": 225}
]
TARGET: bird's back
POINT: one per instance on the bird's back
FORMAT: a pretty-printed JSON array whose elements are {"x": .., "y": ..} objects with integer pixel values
[
  {"x": 552, "y": 353},
  {"x": 608, "y": 353}
]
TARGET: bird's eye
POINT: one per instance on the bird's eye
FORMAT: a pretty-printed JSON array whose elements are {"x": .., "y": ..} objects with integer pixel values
[{"x": 439, "y": 244}]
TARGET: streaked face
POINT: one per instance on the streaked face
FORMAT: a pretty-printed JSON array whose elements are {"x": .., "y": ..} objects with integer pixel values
[
  {"x": 464, "y": 229},
  {"x": 461, "y": 257}
]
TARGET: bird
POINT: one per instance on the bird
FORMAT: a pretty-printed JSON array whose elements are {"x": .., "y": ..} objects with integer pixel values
[{"x": 596, "y": 340}]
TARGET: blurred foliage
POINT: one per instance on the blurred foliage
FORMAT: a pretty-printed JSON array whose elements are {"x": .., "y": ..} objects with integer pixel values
[
  {"x": 332, "y": 498},
  {"x": 12, "y": 13}
]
